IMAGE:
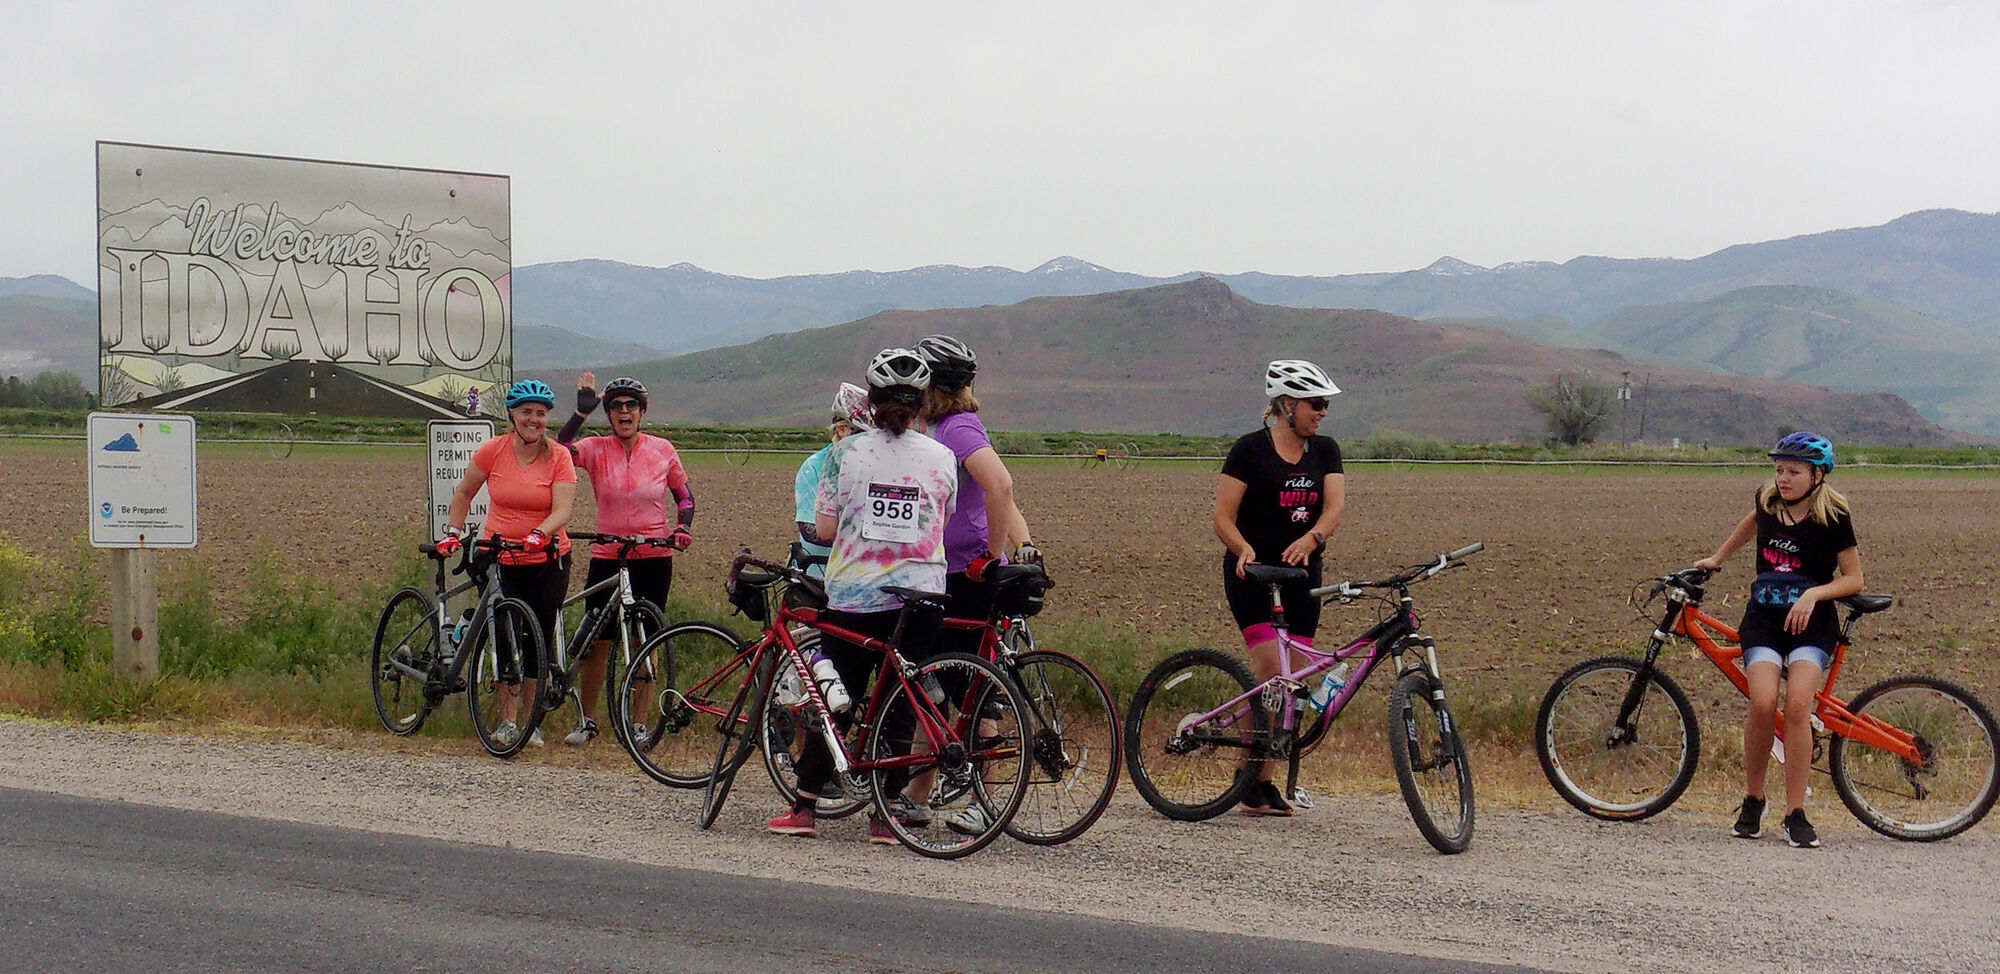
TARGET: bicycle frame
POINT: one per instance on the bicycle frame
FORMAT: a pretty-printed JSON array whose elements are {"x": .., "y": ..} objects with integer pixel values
[
  {"x": 572, "y": 651},
  {"x": 933, "y": 724},
  {"x": 1367, "y": 651},
  {"x": 479, "y": 628},
  {"x": 1684, "y": 617}
]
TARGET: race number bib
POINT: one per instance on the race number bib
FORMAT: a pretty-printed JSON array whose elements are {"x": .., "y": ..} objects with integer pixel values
[{"x": 891, "y": 514}]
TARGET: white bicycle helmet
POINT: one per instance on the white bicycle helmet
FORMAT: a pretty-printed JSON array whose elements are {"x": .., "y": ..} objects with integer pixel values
[
  {"x": 898, "y": 367},
  {"x": 1297, "y": 378},
  {"x": 850, "y": 406}
]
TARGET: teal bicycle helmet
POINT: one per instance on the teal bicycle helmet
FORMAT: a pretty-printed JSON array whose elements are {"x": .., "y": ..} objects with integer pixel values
[
  {"x": 531, "y": 390},
  {"x": 1805, "y": 447}
]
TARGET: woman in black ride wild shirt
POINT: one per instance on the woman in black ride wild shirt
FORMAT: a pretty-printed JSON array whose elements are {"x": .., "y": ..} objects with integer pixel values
[{"x": 1280, "y": 495}]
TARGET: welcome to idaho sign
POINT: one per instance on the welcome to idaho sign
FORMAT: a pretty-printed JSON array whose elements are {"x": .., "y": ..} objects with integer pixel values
[{"x": 381, "y": 287}]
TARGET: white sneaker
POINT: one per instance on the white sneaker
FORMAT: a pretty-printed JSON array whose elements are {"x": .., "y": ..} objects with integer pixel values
[
  {"x": 585, "y": 732},
  {"x": 535, "y": 739},
  {"x": 506, "y": 733},
  {"x": 970, "y": 820}
]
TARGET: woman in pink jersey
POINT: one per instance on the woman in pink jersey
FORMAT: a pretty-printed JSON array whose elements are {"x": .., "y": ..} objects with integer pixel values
[
  {"x": 530, "y": 486},
  {"x": 632, "y": 475}
]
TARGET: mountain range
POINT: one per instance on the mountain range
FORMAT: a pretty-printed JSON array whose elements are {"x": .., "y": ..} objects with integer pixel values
[{"x": 1910, "y": 308}]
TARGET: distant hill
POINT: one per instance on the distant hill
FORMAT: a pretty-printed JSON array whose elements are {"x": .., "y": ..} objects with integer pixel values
[
  {"x": 41, "y": 331},
  {"x": 46, "y": 286},
  {"x": 1943, "y": 263},
  {"x": 1948, "y": 372},
  {"x": 538, "y": 347},
  {"x": 684, "y": 308},
  {"x": 1187, "y": 358}
]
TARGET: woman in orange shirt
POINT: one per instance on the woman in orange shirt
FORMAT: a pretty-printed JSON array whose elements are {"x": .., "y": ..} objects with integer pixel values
[{"x": 530, "y": 487}]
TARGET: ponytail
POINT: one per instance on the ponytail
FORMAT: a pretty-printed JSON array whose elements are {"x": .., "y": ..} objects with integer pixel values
[{"x": 892, "y": 411}]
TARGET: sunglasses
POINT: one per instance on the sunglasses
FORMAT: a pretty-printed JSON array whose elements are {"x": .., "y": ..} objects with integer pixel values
[
  {"x": 1317, "y": 402},
  {"x": 624, "y": 405}
]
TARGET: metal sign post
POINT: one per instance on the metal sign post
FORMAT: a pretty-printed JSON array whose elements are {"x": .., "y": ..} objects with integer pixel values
[{"x": 142, "y": 498}]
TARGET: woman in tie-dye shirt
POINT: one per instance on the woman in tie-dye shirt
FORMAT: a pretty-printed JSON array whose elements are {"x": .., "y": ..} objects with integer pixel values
[{"x": 884, "y": 498}]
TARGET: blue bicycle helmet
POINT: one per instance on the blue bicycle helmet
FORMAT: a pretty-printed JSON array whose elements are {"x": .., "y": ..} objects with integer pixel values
[
  {"x": 531, "y": 390},
  {"x": 1806, "y": 447}
]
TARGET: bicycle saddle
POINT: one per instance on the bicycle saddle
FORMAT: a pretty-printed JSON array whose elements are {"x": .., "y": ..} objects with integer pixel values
[
  {"x": 1865, "y": 604},
  {"x": 1274, "y": 574},
  {"x": 914, "y": 594}
]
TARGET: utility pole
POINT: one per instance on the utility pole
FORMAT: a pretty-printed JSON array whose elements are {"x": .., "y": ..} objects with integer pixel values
[
  {"x": 1645, "y": 393},
  {"x": 1624, "y": 402}
]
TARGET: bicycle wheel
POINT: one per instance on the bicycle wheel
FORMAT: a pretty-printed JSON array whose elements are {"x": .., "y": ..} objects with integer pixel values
[
  {"x": 1621, "y": 772},
  {"x": 678, "y": 684},
  {"x": 1073, "y": 750},
  {"x": 1430, "y": 763},
  {"x": 979, "y": 768},
  {"x": 735, "y": 737},
  {"x": 406, "y": 636},
  {"x": 1190, "y": 769},
  {"x": 643, "y": 621},
  {"x": 1954, "y": 786},
  {"x": 499, "y": 668}
]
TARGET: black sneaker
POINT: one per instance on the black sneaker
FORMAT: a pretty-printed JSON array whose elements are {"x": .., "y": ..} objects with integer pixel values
[
  {"x": 1749, "y": 819},
  {"x": 1799, "y": 831},
  {"x": 1263, "y": 798}
]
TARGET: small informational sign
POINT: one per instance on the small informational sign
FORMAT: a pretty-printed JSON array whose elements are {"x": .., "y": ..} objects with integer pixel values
[
  {"x": 452, "y": 443},
  {"x": 142, "y": 480}
]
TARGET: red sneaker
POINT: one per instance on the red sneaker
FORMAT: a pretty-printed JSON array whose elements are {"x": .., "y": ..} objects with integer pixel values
[
  {"x": 798, "y": 821},
  {"x": 879, "y": 834}
]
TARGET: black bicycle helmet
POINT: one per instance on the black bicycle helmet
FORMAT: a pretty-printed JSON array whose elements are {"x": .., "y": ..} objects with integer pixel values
[
  {"x": 952, "y": 363},
  {"x": 627, "y": 386}
]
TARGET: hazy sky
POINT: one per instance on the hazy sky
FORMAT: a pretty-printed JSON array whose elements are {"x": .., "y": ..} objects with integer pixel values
[{"x": 1310, "y": 138}]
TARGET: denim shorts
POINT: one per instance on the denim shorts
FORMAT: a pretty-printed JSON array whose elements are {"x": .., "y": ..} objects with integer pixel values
[{"x": 1765, "y": 654}]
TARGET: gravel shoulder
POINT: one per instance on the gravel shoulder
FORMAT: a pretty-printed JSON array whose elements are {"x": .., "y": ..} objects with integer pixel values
[{"x": 1539, "y": 888}]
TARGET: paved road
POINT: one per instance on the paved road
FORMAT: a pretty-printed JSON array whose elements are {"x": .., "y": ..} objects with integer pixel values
[{"x": 87, "y": 884}]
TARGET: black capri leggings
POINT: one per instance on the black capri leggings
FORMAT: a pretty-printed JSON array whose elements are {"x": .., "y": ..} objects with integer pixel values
[{"x": 543, "y": 587}]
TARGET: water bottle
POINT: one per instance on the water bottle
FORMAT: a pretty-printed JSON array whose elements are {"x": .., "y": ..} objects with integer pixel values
[
  {"x": 830, "y": 686},
  {"x": 456, "y": 637},
  {"x": 1330, "y": 686}
]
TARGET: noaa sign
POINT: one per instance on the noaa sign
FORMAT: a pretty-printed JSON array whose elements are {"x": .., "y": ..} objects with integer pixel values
[{"x": 142, "y": 480}]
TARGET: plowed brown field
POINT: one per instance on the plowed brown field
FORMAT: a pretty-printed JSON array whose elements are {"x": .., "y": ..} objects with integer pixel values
[{"x": 1134, "y": 556}]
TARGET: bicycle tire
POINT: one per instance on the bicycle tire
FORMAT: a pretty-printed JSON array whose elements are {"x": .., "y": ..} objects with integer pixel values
[
  {"x": 1430, "y": 761},
  {"x": 1074, "y": 748},
  {"x": 979, "y": 777},
  {"x": 685, "y": 676},
  {"x": 405, "y": 633},
  {"x": 1617, "y": 774},
  {"x": 1182, "y": 778},
  {"x": 512, "y": 634},
  {"x": 642, "y": 621},
  {"x": 1954, "y": 787},
  {"x": 734, "y": 739}
]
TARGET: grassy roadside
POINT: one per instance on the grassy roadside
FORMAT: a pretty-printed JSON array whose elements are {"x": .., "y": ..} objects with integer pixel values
[{"x": 293, "y": 668}]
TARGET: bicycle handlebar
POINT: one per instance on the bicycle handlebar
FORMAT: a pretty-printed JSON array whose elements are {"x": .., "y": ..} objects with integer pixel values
[
  {"x": 627, "y": 541},
  {"x": 1450, "y": 559}
]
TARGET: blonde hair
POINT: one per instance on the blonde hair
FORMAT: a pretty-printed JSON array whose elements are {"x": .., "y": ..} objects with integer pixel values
[
  {"x": 1276, "y": 410},
  {"x": 938, "y": 403},
  {"x": 1826, "y": 502}
]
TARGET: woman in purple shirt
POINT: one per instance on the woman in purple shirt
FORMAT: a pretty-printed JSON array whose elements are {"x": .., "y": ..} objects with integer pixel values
[{"x": 987, "y": 521}]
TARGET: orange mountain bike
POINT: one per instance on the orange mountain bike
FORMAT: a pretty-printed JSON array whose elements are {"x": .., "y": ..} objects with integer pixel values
[{"x": 1913, "y": 757}]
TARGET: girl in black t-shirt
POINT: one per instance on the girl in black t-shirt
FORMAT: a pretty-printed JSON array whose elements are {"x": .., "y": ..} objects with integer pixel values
[
  {"x": 1806, "y": 558},
  {"x": 1280, "y": 495}
]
